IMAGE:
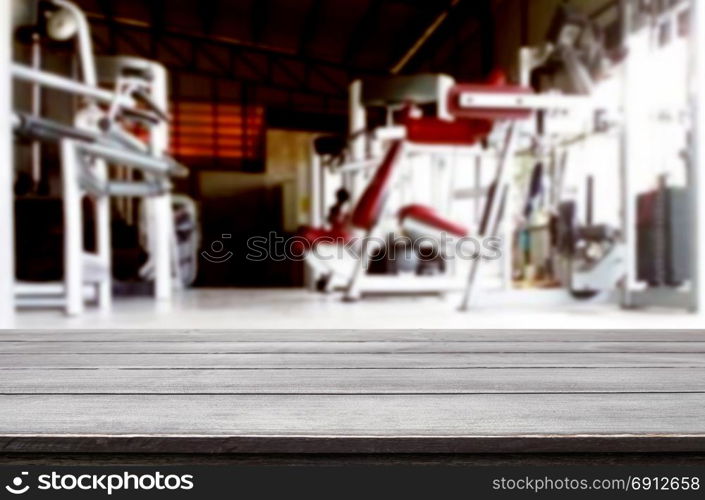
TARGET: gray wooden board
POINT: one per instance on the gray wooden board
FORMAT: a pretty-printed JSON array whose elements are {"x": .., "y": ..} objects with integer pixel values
[
  {"x": 346, "y": 391},
  {"x": 310, "y": 347},
  {"x": 355, "y": 415},
  {"x": 364, "y": 381},
  {"x": 352, "y": 361},
  {"x": 355, "y": 335}
]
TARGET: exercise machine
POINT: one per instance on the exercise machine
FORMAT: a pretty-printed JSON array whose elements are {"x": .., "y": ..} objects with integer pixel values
[
  {"x": 100, "y": 136},
  {"x": 416, "y": 221}
]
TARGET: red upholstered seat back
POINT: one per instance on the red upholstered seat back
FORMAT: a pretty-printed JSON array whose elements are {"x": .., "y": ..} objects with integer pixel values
[
  {"x": 470, "y": 126},
  {"x": 429, "y": 216},
  {"x": 369, "y": 208},
  {"x": 431, "y": 130}
]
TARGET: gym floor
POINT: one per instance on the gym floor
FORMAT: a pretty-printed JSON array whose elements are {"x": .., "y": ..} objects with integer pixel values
[{"x": 298, "y": 308}]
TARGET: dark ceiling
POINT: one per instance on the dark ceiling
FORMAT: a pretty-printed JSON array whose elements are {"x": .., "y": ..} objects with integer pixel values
[{"x": 296, "y": 55}]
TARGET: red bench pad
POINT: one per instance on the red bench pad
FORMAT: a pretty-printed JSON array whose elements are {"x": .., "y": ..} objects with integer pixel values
[
  {"x": 369, "y": 208},
  {"x": 427, "y": 215},
  {"x": 429, "y": 130},
  {"x": 308, "y": 237}
]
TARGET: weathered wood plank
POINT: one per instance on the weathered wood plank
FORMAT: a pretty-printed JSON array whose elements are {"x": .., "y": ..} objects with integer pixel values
[
  {"x": 371, "y": 347},
  {"x": 323, "y": 391},
  {"x": 365, "y": 381},
  {"x": 365, "y": 415},
  {"x": 357, "y": 335},
  {"x": 351, "y": 360}
]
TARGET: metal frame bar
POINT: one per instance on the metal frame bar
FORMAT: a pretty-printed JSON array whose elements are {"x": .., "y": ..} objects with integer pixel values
[
  {"x": 130, "y": 159},
  {"x": 503, "y": 179},
  {"x": 697, "y": 179},
  {"x": 355, "y": 287},
  {"x": 83, "y": 41},
  {"x": 60, "y": 82},
  {"x": 490, "y": 100},
  {"x": 419, "y": 42},
  {"x": 7, "y": 232}
]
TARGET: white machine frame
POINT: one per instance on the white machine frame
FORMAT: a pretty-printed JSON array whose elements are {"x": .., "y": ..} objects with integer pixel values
[
  {"x": 82, "y": 271},
  {"x": 7, "y": 210}
]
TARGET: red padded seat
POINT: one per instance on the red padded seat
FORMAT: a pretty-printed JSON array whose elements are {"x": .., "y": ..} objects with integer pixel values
[
  {"x": 366, "y": 212},
  {"x": 308, "y": 237},
  {"x": 315, "y": 235},
  {"x": 369, "y": 208},
  {"x": 431, "y": 130},
  {"x": 429, "y": 217}
]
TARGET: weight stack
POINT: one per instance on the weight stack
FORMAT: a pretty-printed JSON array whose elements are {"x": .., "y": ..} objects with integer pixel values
[{"x": 663, "y": 246}]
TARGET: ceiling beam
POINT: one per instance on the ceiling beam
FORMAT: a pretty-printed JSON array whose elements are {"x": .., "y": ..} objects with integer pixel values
[
  {"x": 487, "y": 34},
  {"x": 428, "y": 32},
  {"x": 235, "y": 64},
  {"x": 208, "y": 12},
  {"x": 362, "y": 30},
  {"x": 106, "y": 7},
  {"x": 260, "y": 16},
  {"x": 157, "y": 14},
  {"x": 308, "y": 28},
  {"x": 423, "y": 54},
  {"x": 223, "y": 41}
]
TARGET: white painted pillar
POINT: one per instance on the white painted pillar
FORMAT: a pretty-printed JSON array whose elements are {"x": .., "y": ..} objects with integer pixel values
[
  {"x": 36, "y": 109},
  {"x": 358, "y": 141},
  {"x": 526, "y": 58},
  {"x": 315, "y": 207},
  {"x": 358, "y": 121},
  {"x": 315, "y": 189},
  {"x": 103, "y": 241},
  {"x": 697, "y": 177},
  {"x": 445, "y": 83},
  {"x": 7, "y": 231},
  {"x": 73, "y": 229},
  {"x": 159, "y": 211},
  {"x": 632, "y": 132}
]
